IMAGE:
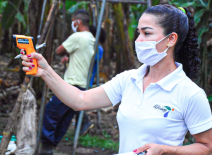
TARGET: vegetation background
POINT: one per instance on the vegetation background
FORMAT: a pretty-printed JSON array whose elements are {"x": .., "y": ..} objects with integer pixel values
[{"x": 120, "y": 22}]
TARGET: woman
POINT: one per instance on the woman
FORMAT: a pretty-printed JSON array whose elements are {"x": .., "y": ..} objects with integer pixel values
[{"x": 159, "y": 102}]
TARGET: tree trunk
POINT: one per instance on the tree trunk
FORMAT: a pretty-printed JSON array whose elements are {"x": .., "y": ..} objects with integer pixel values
[
  {"x": 123, "y": 49},
  {"x": 33, "y": 12},
  {"x": 108, "y": 42}
]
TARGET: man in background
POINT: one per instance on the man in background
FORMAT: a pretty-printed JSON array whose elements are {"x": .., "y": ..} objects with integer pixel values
[{"x": 80, "y": 49}]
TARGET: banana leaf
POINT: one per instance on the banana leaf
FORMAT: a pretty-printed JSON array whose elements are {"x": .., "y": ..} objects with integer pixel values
[
  {"x": 10, "y": 12},
  {"x": 210, "y": 98}
]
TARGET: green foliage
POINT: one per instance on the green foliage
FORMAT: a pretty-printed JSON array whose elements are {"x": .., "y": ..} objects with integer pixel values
[
  {"x": 203, "y": 29},
  {"x": 69, "y": 4},
  {"x": 94, "y": 141},
  {"x": 155, "y": 2},
  {"x": 210, "y": 98},
  {"x": 202, "y": 10},
  {"x": 136, "y": 11},
  {"x": 10, "y": 12},
  {"x": 72, "y": 7},
  {"x": 3, "y": 4},
  {"x": 198, "y": 15}
]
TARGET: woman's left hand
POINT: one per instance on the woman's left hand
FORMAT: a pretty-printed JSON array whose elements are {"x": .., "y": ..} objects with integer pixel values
[{"x": 152, "y": 149}]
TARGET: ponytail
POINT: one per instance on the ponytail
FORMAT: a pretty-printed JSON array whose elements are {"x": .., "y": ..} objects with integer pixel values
[{"x": 188, "y": 54}]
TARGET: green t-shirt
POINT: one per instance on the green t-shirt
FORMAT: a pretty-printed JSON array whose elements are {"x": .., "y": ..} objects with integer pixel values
[{"x": 80, "y": 46}]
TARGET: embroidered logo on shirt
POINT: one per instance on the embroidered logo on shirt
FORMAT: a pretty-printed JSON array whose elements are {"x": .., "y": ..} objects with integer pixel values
[{"x": 165, "y": 109}]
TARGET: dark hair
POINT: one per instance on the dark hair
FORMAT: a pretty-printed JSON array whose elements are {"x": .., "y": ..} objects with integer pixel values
[
  {"x": 83, "y": 15},
  {"x": 186, "y": 51},
  {"x": 102, "y": 36}
]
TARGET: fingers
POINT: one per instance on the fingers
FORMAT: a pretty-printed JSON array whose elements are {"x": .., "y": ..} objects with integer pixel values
[
  {"x": 22, "y": 52},
  {"x": 25, "y": 58},
  {"x": 28, "y": 64},
  {"x": 30, "y": 56},
  {"x": 141, "y": 149},
  {"x": 36, "y": 56},
  {"x": 25, "y": 69}
]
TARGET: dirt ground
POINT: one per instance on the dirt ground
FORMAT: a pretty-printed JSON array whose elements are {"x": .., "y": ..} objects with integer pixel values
[{"x": 9, "y": 88}]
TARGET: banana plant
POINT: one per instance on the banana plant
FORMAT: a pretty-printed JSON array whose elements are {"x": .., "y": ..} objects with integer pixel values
[
  {"x": 209, "y": 98},
  {"x": 3, "y": 4},
  {"x": 80, "y": 5},
  {"x": 136, "y": 11},
  {"x": 10, "y": 11}
]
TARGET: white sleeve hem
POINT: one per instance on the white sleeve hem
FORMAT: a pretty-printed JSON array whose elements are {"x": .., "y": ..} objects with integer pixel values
[
  {"x": 109, "y": 94},
  {"x": 201, "y": 127}
]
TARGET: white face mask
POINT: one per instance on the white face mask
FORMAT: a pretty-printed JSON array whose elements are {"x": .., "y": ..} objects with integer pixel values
[
  {"x": 147, "y": 53},
  {"x": 72, "y": 26}
]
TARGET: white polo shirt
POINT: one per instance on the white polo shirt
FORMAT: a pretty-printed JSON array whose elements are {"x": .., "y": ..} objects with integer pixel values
[{"x": 162, "y": 114}]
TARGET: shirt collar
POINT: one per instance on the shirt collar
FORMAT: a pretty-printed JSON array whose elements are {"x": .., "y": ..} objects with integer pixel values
[
  {"x": 168, "y": 82},
  {"x": 172, "y": 79},
  {"x": 139, "y": 73}
]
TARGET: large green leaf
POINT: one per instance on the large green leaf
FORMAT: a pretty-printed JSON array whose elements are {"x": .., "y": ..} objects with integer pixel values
[
  {"x": 204, "y": 4},
  {"x": 187, "y": 3},
  {"x": 133, "y": 25},
  {"x": 79, "y": 5},
  {"x": 20, "y": 18},
  {"x": 9, "y": 13},
  {"x": 155, "y": 2},
  {"x": 183, "y": 3},
  {"x": 68, "y": 4},
  {"x": 198, "y": 15},
  {"x": 201, "y": 31},
  {"x": 3, "y": 4},
  {"x": 210, "y": 98}
]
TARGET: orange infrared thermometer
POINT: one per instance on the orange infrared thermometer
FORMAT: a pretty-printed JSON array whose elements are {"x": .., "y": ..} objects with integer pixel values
[{"x": 26, "y": 43}]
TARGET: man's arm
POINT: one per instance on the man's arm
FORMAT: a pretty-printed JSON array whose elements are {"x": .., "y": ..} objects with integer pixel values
[{"x": 61, "y": 51}]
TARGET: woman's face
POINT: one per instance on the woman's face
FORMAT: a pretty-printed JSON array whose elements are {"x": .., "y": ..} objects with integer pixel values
[{"x": 149, "y": 30}]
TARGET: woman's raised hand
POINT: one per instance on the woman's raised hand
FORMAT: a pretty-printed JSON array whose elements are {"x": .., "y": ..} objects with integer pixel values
[{"x": 28, "y": 65}]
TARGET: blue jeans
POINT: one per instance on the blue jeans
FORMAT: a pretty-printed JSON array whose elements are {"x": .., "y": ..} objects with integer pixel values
[{"x": 57, "y": 118}]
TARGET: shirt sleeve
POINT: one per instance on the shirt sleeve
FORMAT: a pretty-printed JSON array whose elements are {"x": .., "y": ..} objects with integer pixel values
[
  {"x": 198, "y": 116},
  {"x": 100, "y": 53},
  {"x": 113, "y": 88},
  {"x": 71, "y": 44}
]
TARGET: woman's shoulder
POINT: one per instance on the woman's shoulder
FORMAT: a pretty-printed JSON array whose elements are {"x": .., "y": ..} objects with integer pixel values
[
  {"x": 127, "y": 74},
  {"x": 189, "y": 87}
]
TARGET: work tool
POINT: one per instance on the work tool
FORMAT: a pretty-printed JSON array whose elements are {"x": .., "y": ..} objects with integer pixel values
[
  {"x": 27, "y": 43},
  {"x": 142, "y": 153},
  {"x": 132, "y": 153}
]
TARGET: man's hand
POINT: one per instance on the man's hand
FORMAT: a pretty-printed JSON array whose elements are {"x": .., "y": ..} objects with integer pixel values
[
  {"x": 64, "y": 59},
  {"x": 152, "y": 149}
]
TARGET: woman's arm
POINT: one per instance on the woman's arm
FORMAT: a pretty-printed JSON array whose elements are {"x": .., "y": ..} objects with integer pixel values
[
  {"x": 70, "y": 95},
  {"x": 202, "y": 147}
]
